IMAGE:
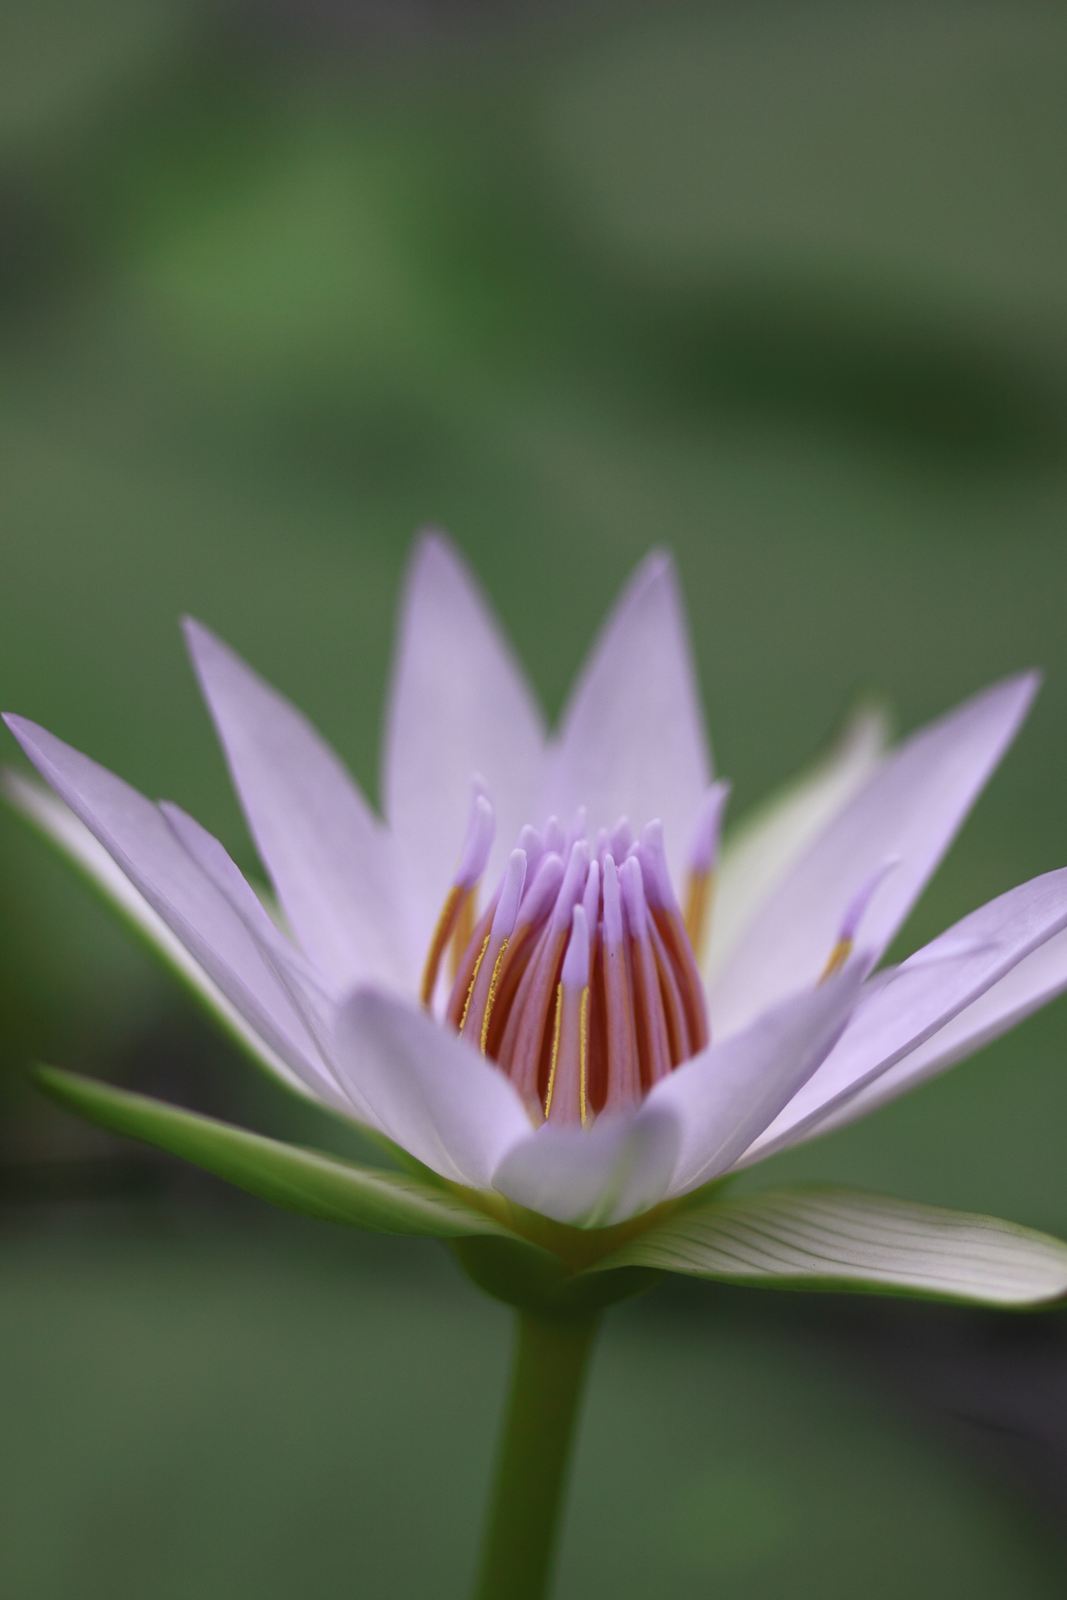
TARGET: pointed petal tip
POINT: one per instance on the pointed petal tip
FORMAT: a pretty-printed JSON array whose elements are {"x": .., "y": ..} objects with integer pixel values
[
  {"x": 192, "y": 627},
  {"x": 1027, "y": 681},
  {"x": 868, "y": 721},
  {"x": 657, "y": 568},
  {"x": 433, "y": 547},
  {"x": 29, "y": 734},
  {"x": 428, "y": 534},
  {"x": 438, "y": 566},
  {"x": 201, "y": 641},
  {"x": 1032, "y": 680},
  {"x": 1018, "y": 687},
  {"x": 208, "y": 652},
  {"x": 656, "y": 573},
  {"x": 1010, "y": 699}
]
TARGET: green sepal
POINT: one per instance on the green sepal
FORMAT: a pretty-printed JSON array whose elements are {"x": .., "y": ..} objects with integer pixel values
[
  {"x": 842, "y": 1240},
  {"x": 286, "y": 1175}
]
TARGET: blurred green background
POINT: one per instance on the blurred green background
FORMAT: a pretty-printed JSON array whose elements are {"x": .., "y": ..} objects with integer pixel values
[{"x": 782, "y": 287}]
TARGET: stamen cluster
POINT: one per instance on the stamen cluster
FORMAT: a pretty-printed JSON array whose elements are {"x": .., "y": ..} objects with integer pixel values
[{"x": 579, "y": 979}]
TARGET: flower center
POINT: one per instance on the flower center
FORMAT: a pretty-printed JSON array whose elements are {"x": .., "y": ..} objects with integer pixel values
[{"x": 580, "y": 976}]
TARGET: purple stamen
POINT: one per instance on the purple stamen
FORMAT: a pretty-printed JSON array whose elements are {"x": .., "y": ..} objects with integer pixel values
[
  {"x": 613, "y": 925},
  {"x": 542, "y": 888},
  {"x": 507, "y": 910},
  {"x": 591, "y": 897},
  {"x": 555, "y": 838},
  {"x": 575, "y": 973},
  {"x": 580, "y": 982},
  {"x": 654, "y": 869},
  {"x": 572, "y": 885},
  {"x": 478, "y": 842},
  {"x": 621, "y": 839}
]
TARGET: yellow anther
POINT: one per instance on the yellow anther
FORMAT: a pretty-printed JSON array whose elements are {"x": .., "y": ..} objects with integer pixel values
[
  {"x": 446, "y": 923},
  {"x": 463, "y": 932},
  {"x": 474, "y": 980},
  {"x": 554, "y": 1062},
  {"x": 838, "y": 956},
  {"x": 494, "y": 984},
  {"x": 698, "y": 897},
  {"x": 583, "y": 1058},
  {"x": 583, "y": 1051}
]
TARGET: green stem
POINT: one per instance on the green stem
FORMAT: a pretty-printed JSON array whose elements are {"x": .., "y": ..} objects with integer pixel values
[{"x": 548, "y": 1374}]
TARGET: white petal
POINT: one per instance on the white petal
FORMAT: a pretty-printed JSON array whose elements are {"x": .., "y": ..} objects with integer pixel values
[
  {"x": 428, "y": 1090},
  {"x": 139, "y": 840},
  {"x": 766, "y": 843},
  {"x": 459, "y": 709},
  {"x": 314, "y": 1005},
  {"x": 1037, "y": 979},
  {"x": 597, "y": 1176},
  {"x": 58, "y": 824},
  {"x": 729, "y": 1093},
  {"x": 837, "y": 1239},
  {"x": 632, "y": 740},
  {"x": 327, "y": 854},
  {"x": 909, "y": 811},
  {"x": 944, "y": 978}
]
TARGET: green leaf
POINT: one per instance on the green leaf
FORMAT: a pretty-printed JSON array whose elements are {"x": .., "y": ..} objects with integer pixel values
[
  {"x": 286, "y": 1175},
  {"x": 838, "y": 1239}
]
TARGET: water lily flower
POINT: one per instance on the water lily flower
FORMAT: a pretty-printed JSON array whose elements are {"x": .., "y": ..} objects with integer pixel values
[
  {"x": 563, "y": 1002},
  {"x": 511, "y": 978}
]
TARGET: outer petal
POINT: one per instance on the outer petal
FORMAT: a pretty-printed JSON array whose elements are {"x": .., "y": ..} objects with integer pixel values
[
  {"x": 909, "y": 811},
  {"x": 767, "y": 842},
  {"x": 632, "y": 739},
  {"x": 429, "y": 1092},
  {"x": 213, "y": 859},
  {"x": 1037, "y": 979},
  {"x": 593, "y": 1177},
  {"x": 836, "y": 1239},
  {"x": 724, "y": 1096},
  {"x": 62, "y": 829},
  {"x": 946, "y": 977},
  {"x": 459, "y": 708},
  {"x": 137, "y": 837},
  {"x": 313, "y": 1004},
  {"x": 327, "y": 854}
]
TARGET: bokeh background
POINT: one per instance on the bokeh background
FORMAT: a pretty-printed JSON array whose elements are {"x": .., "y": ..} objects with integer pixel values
[{"x": 783, "y": 287}]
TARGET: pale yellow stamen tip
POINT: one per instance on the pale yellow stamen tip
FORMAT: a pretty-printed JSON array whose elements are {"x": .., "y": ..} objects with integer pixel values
[
  {"x": 698, "y": 898},
  {"x": 838, "y": 956}
]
